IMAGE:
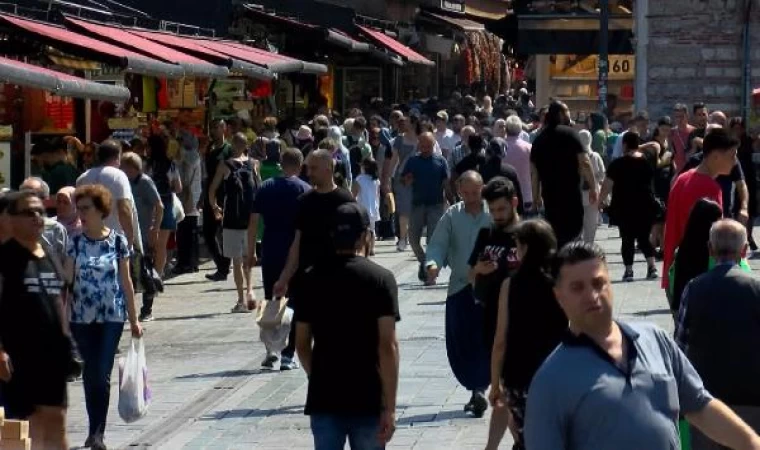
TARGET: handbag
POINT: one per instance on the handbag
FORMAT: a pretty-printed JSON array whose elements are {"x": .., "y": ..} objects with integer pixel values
[
  {"x": 271, "y": 312},
  {"x": 149, "y": 278}
]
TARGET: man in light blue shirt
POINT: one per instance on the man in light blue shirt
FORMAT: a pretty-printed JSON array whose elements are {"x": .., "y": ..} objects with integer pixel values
[
  {"x": 451, "y": 245},
  {"x": 612, "y": 385}
]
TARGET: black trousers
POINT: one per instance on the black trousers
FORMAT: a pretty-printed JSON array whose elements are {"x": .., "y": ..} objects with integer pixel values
[
  {"x": 187, "y": 243},
  {"x": 632, "y": 233},
  {"x": 212, "y": 230}
]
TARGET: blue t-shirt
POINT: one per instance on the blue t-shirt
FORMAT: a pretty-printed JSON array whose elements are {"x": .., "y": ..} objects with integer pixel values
[
  {"x": 277, "y": 203},
  {"x": 428, "y": 174},
  {"x": 98, "y": 293}
]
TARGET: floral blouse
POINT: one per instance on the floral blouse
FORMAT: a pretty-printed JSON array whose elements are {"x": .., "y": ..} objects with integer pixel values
[{"x": 98, "y": 293}]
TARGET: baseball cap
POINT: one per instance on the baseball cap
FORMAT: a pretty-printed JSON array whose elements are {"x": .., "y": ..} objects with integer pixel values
[
  {"x": 443, "y": 115},
  {"x": 351, "y": 220}
]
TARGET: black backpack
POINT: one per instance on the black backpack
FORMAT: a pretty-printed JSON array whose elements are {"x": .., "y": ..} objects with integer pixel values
[{"x": 239, "y": 188}]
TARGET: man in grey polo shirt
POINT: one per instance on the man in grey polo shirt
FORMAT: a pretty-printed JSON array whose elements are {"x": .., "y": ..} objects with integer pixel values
[{"x": 617, "y": 386}]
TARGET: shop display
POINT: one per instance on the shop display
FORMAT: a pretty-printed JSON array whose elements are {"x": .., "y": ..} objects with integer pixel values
[
  {"x": 5, "y": 160},
  {"x": 484, "y": 61},
  {"x": 574, "y": 79},
  {"x": 361, "y": 84}
]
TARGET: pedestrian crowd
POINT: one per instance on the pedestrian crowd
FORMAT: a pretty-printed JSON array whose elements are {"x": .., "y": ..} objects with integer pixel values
[{"x": 508, "y": 198}]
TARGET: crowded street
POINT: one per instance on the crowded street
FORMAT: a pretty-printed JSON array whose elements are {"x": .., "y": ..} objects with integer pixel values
[
  {"x": 401, "y": 224},
  {"x": 210, "y": 392}
]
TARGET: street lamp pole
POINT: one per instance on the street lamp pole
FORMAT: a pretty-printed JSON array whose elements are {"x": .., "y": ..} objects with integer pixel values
[{"x": 604, "y": 59}]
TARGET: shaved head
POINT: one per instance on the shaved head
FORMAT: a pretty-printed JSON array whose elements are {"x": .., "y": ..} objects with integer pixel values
[{"x": 320, "y": 166}]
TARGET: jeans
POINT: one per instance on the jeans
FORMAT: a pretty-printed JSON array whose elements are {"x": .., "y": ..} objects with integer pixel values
[
  {"x": 423, "y": 216},
  {"x": 212, "y": 230},
  {"x": 630, "y": 234},
  {"x": 187, "y": 243},
  {"x": 97, "y": 344},
  {"x": 330, "y": 432}
]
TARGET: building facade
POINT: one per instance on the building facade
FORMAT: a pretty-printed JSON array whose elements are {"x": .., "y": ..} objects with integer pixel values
[{"x": 695, "y": 52}]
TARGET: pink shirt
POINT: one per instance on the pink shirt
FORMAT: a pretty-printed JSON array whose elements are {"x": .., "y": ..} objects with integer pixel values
[{"x": 518, "y": 156}]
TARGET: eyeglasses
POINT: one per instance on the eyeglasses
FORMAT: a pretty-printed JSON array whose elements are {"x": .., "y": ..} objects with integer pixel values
[{"x": 30, "y": 213}]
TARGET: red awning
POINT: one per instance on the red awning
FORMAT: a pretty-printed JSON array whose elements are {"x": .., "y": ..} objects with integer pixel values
[
  {"x": 253, "y": 70},
  {"x": 123, "y": 38},
  {"x": 272, "y": 61},
  {"x": 80, "y": 45},
  {"x": 22, "y": 74},
  {"x": 395, "y": 46}
]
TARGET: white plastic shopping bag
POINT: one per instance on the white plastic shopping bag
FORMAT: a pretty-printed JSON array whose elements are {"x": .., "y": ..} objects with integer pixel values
[
  {"x": 134, "y": 392},
  {"x": 275, "y": 339}
]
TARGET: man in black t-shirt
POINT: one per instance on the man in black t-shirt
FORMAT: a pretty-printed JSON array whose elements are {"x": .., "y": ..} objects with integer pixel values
[
  {"x": 358, "y": 322},
  {"x": 493, "y": 259},
  {"x": 35, "y": 349},
  {"x": 312, "y": 244},
  {"x": 558, "y": 162}
]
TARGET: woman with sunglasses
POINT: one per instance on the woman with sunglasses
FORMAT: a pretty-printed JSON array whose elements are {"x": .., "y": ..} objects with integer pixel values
[
  {"x": 35, "y": 347},
  {"x": 104, "y": 298}
]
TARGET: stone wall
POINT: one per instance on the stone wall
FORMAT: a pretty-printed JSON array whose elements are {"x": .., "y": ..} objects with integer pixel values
[{"x": 695, "y": 53}]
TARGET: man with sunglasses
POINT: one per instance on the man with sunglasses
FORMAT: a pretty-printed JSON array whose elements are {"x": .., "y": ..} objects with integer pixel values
[
  {"x": 54, "y": 234},
  {"x": 35, "y": 347}
]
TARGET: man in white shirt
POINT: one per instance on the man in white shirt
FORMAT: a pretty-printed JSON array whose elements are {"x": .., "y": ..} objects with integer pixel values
[
  {"x": 443, "y": 135},
  {"x": 123, "y": 218}
]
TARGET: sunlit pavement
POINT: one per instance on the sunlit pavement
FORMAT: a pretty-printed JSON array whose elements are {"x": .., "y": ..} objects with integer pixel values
[{"x": 210, "y": 393}]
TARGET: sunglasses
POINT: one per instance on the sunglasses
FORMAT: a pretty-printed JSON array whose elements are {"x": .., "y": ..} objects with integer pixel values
[{"x": 30, "y": 213}]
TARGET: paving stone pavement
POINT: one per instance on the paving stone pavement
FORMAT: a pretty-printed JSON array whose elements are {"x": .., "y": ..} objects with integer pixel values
[{"x": 209, "y": 391}]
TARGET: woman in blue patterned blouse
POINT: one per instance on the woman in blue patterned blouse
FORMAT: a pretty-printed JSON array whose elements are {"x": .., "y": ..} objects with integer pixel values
[{"x": 104, "y": 298}]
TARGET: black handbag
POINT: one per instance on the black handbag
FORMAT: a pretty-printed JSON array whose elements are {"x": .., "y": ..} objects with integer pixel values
[{"x": 149, "y": 278}]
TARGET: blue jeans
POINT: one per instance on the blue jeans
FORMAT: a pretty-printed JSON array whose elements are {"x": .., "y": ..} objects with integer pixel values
[
  {"x": 97, "y": 344},
  {"x": 330, "y": 432}
]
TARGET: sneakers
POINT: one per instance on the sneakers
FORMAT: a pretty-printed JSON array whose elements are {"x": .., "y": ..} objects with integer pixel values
[
  {"x": 217, "y": 276},
  {"x": 240, "y": 308},
  {"x": 288, "y": 364},
  {"x": 652, "y": 273},
  {"x": 146, "y": 317},
  {"x": 628, "y": 275},
  {"x": 477, "y": 404},
  {"x": 401, "y": 246},
  {"x": 269, "y": 362}
]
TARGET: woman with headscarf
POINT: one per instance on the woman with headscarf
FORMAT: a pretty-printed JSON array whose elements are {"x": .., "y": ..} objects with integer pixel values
[
  {"x": 600, "y": 132},
  {"x": 66, "y": 211},
  {"x": 336, "y": 135},
  {"x": 187, "y": 230},
  {"x": 591, "y": 212}
]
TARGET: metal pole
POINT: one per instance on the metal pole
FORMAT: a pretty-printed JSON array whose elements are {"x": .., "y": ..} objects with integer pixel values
[{"x": 604, "y": 60}]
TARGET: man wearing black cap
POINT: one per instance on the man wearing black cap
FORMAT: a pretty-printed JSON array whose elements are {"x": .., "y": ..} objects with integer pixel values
[{"x": 359, "y": 322}]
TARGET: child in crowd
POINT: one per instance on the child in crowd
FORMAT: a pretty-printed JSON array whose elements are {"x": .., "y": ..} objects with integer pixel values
[{"x": 366, "y": 190}]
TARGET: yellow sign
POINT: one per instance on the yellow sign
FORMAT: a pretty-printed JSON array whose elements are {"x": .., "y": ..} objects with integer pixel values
[{"x": 622, "y": 67}]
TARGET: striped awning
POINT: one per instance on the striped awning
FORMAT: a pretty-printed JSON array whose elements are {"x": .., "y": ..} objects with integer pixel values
[
  {"x": 23, "y": 74},
  {"x": 79, "y": 45}
]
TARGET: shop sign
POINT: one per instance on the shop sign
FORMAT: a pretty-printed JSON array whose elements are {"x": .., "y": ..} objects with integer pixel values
[
  {"x": 621, "y": 67},
  {"x": 453, "y": 5}
]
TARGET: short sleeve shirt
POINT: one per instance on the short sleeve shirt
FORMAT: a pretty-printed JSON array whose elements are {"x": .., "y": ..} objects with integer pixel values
[
  {"x": 98, "y": 294},
  {"x": 581, "y": 400},
  {"x": 117, "y": 184},
  {"x": 347, "y": 324},
  {"x": 146, "y": 199},
  {"x": 428, "y": 175}
]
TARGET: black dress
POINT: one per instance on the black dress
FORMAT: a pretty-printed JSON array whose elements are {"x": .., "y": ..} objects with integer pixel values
[{"x": 536, "y": 326}]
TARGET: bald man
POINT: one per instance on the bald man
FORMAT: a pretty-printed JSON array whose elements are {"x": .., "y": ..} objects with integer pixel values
[
  {"x": 428, "y": 175},
  {"x": 312, "y": 243}
]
